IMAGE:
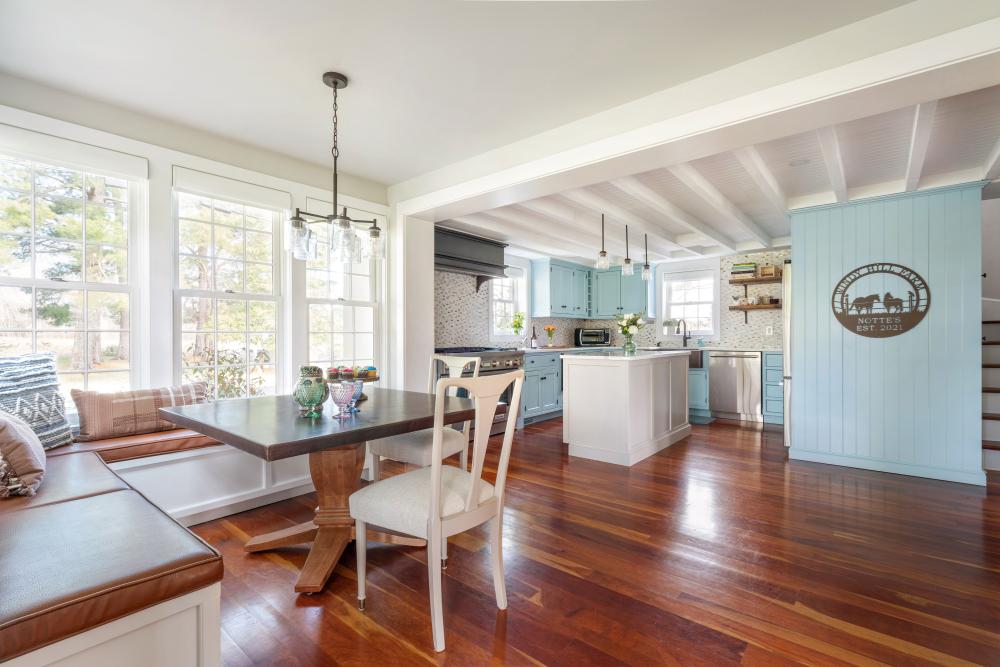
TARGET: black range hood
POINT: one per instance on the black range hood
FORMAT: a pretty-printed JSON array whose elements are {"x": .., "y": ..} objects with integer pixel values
[{"x": 472, "y": 255}]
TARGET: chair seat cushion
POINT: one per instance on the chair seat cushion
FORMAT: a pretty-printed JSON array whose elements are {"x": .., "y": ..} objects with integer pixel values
[
  {"x": 415, "y": 447},
  {"x": 69, "y": 567},
  {"x": 138, "y": 446},
  {"x": 68, "y": 478},
  {"x": 402, "y": 503}
]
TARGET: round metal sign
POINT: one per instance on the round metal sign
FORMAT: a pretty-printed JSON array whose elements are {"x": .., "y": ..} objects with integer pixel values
[{"x": 881, "y": 300}]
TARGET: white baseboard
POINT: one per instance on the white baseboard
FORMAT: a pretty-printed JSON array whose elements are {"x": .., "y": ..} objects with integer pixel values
[
  {"x": 182, "y": 632},
  {"x": 963, "y": 476},
  {"x": 638, "y": 452}
]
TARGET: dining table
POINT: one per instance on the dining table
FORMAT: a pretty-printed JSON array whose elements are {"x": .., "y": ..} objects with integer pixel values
[{"x": 271, "y": 428}]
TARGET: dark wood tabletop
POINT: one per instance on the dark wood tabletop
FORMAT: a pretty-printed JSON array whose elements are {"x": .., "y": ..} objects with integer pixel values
[{"x": 270, "y": 427}]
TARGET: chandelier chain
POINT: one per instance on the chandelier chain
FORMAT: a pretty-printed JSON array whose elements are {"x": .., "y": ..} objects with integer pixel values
[{"x": 335, "y": 151}]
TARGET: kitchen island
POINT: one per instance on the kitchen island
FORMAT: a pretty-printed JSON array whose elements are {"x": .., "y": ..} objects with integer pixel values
[{"x": 623, "y": 409}]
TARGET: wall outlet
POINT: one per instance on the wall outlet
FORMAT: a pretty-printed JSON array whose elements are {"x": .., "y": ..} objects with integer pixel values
[{"x": 768, "y": 331}]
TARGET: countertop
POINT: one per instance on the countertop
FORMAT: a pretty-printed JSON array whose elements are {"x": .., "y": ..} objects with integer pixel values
[
  {"x": 565, "y": 348},
  {"x": 618, "y": 354}
]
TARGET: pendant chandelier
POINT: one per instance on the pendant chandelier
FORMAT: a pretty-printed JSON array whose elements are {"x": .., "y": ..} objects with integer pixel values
[
  {"x": 647, "y": 271},
  {"x": 603, "y": 263},
  {"x": 627, "y": 267},
  {"x": 348, "y": 244}
]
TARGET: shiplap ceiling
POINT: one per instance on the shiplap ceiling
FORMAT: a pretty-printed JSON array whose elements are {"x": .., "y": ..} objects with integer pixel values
[{"x": 738, "y": 200}]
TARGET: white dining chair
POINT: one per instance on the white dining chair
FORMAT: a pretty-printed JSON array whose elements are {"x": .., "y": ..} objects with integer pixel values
[
  {"x": 415, "y": 448},
  {"x": 438, "y": 501}
]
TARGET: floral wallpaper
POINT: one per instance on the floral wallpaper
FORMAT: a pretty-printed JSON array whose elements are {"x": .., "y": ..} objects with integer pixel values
[{"x": 461, "y": 314}]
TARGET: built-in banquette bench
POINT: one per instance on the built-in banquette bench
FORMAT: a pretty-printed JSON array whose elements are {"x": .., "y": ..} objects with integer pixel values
[{"x": 93, "y": 573}]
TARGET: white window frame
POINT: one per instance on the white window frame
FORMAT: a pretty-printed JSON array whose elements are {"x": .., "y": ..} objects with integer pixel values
[
  {"x": 520, "y": 277},
  {"x": 377, "y": 286},
  {"x": 277, "y": 287},
  {"x": 136, "y": 229},
  {"x": 710, "y": 268}
]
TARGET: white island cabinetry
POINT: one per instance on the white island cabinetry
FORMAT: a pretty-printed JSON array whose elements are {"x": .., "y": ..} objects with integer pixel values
[{"x": 622, "y": 409}]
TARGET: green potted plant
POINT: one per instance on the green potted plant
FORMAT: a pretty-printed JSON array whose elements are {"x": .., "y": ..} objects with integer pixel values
[{"x": 517, "y": 324}]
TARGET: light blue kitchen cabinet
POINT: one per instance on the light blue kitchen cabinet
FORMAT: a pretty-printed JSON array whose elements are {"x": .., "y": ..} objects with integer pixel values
[
  {"x": 581, "y": 292},
  {"x": 614, "y": 293},
  {"x": 541, "y": 397},
  {"x": 698, "y": 388},
  {"x": 633, "y": 293},
  {"x": 559, "y": 289},
  {"x": 531, "y": 403},
  {"x": 773, "y": 388},
  {"x": 607, "y": 293}
]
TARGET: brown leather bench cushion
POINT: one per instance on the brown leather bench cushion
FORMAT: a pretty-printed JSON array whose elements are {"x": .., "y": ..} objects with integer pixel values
[
  {"x": 138, "y": 446},
  {"x": 67, "y": 478},
  {"x": 71, "y": 566}
]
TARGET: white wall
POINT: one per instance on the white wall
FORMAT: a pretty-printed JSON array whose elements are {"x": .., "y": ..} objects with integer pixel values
[{"x": 155, "y": 364}]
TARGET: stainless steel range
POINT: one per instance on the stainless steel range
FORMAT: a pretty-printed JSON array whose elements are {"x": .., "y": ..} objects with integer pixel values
[{"x": 493, "y": 360}]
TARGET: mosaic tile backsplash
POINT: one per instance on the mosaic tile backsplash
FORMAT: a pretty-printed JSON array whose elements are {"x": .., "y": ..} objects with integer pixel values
[{"x": 461, "y": 314}]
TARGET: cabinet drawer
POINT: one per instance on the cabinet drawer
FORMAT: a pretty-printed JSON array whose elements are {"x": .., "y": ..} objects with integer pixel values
[
  {"x": 774, "y": 391},
  {"x": 772, "y": 360},
  {"x": 533, "y": 361},
  {"x": 772, "y": 376}
]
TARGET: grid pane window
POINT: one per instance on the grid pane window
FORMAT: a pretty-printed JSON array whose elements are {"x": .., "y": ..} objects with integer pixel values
[
  {"x": 343, "y": 307},
  {"x": 64, "y": 260},
  {"x": 228, "y": 309},
  {"x": 505, "y": 300},
  {"x": 690, "y": 297}
]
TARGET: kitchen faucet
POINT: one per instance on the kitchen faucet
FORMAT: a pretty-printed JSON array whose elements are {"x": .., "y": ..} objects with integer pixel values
[{"x": 687, "y": 336}]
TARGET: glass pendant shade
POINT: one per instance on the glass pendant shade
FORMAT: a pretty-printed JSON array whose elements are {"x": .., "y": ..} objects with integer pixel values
[
  {"x": 628, "y": 268},
  {"x": 376, "y": 244},
  {"x": 298, "y": 238},
  {"x": 603, "y": 262},
  {"x": 345, "y": 243},
  {"x": 647, "y": 272}
]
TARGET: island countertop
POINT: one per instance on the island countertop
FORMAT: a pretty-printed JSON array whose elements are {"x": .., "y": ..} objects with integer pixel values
[{"x": 618, "y": 354}]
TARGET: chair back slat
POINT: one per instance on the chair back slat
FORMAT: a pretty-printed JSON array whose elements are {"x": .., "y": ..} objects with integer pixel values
[
  {"x": 456, "y": 365},
  {"x": 486, "y": 392}
]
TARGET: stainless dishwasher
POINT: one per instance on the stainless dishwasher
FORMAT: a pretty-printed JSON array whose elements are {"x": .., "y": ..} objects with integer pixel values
[{"x": 734, "y": 385}]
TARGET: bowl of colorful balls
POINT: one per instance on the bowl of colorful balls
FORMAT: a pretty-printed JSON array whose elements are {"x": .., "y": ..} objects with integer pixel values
[{"x": 346, "y": 386}]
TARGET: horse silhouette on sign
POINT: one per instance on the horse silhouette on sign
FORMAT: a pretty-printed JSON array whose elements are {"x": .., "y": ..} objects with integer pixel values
[
  {"x": 864, "y": 304},
  {"x": 892, "y": 304}
]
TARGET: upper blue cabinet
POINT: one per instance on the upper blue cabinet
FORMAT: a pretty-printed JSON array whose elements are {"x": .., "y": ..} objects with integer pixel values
[
  {"x": 559, "y": 289},
  {"x": 615, "y": 294}
]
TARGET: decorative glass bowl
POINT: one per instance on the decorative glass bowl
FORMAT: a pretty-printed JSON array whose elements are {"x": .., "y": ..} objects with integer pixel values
[{"x": 345, "y": 394}]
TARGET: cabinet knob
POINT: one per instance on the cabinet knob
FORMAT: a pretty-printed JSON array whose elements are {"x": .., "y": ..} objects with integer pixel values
[{"x": 544, "y": 377}]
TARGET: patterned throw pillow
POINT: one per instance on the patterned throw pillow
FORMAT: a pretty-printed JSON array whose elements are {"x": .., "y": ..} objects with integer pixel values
[
  {"x": 22, "y": 458},
  {"x": 114, "y": 415},
  {"x": 29, "y": 390}
]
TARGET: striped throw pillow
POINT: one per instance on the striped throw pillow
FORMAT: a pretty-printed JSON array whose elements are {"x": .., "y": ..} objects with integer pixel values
[
  {"x": 113, "y": 415},
  {"x": 29, "y": 389}
]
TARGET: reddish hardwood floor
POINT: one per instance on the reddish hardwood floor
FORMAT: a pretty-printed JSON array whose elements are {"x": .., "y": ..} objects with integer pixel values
[{"x": 716, "y": 551}]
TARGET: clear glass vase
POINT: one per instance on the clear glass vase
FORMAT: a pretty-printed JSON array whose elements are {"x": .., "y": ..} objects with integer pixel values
[{"x": 629, "y": 347}]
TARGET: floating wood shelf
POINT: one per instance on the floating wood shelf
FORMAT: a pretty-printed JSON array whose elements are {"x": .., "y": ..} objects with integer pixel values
[
  {"x": 760, "y": 306},
  {"x": 756, "y": 281}
]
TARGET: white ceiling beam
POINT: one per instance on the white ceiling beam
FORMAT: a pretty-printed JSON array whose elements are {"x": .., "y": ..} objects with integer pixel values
[
  {"x": 598, "y": 204},
  {"x": 584, "y": 232},
  {"x": 991, "y": 170},
  {"x": 533, "y": 240},
  {"x": 763, "y": 178},
  {"x": 830, "y": 146},
  {"x": 920, "y": 138},
  {"x": 635, "y": 188},
  {"x": 700, "y": 186},
  {"x": 559, "y": 210}
]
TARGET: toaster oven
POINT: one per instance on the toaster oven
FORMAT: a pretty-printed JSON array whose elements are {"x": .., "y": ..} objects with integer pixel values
[{"x": 592, "y": 337}]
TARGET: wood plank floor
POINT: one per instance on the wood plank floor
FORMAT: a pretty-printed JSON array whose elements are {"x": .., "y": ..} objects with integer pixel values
[{"x": 717, "y": 551}]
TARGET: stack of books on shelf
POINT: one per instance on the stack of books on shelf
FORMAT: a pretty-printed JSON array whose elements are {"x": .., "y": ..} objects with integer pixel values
[{"x": 744, "y": 271}]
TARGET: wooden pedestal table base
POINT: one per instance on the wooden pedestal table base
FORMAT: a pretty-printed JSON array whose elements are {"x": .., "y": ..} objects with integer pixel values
[{"x": 335, "y": 473}]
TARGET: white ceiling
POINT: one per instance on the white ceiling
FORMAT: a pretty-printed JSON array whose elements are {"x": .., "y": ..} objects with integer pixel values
[
  {"x": 432, "y": 82},
  {"x": 737, "y": 200}
]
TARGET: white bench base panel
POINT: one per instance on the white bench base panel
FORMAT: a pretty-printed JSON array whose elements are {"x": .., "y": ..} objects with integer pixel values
[{"x": 183, "y": 632}]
